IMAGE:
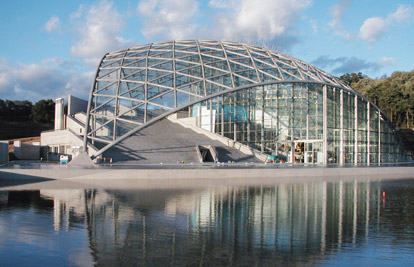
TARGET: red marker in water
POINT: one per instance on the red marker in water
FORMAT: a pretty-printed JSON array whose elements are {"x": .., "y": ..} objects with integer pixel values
[{"x": 383, "y": 197}]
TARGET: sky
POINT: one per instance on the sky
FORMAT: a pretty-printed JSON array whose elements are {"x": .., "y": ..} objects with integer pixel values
[{"x": 49, "y": 49}]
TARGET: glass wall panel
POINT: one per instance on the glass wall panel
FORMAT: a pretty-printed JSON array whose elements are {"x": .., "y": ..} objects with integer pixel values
[
  {"x": 287, "y": 120},
  {"x": 362, "y": 131},
  {"x": 349, "y": 127},
  {"x": 334, "y": 124},
  {"x": 315, "y": 111},
  {"x": 285, "y": 111},
  {"x": 374, "y": 135}
]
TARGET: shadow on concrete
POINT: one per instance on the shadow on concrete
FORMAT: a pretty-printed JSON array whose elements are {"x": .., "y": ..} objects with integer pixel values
[{"x": 14, "y": 179}]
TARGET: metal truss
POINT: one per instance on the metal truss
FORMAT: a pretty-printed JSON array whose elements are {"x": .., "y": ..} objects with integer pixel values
[{"x": 136, "y": 86}]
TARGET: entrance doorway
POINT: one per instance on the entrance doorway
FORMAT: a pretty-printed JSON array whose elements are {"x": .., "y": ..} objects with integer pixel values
[{"x": 308, "y": 152}]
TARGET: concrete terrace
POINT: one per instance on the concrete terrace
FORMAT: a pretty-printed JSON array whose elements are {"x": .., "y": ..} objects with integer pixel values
[{"x": 55, "y": 176}]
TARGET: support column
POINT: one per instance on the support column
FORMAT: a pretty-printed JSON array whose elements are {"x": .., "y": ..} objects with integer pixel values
[
  {"x": 211, "y": 116},
  {"x": 277, "y": 120},
  {"x": 262, "y": 130},
  {"x": 235, "y": 117},
  {"x": 291, "y": 121},
  {"x": 222, "y": 115},
  {"x": 248, "y": 116},
  {"x": 356, "y": 131},
  {"x": 325, "y": 125},
  {"x": 307, "y": 112},
  {"x": 341, "y": 133},
  {"x": 368, "y": 134},
  {"x": 379, "y": 137}
]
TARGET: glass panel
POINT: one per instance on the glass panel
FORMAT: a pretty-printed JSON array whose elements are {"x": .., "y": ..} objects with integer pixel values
[
  {"x": 183, "y": 98},
  {"x": 111, "y": 63},
  {"x": 152, "y": 62},
  {"x": 123, "y": 127},
  {"x": 137, "y": 93},
  {"x": 167, "y": 80},
  {"x": 156, "y": 74},
  {"x": 218, "y": 64},
  {"x": 180, "y": 80},
  {"x": 210, "y": 72},
  {"x": 137, "y": 54},
  {"x": 110, "y": 73},
  {"x": 274, "y": 72},
  {"x": 195, "y": 88},
  {"x": 167, "y": 100},
  {"x": 166, "y": 66},
  {"x": 213, "y": 88},
  {"x": 193, "y": 71},
  {"x": 136, "y": 114},
  {"x": 239, "y": 81},
  {"x": 155, "y": 90},
  {"x": 182, "y": 65},
  {"x": 135, "y": 63},
  {"x": 125, "y": 72},
  {"x": 140, "y": 75},
  {"x": 251, "y": 74},
  {"x": 126, "y": 86},
  {"x": 191, "y": 58},
  {"x": 236, "y": 67},
  {"x": 125, "y": 106},
  {"x": 154, "y": 111}
]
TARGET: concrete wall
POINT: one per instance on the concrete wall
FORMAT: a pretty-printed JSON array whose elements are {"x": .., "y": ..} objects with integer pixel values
[
  {"x": 64, "y": 141},
  {"x": 76, "y": 105},
  {"x": 71, "y": 143},
  {"x": 26, "y": 151},
  {"x": 74, "y": 125},
  {"x": 4, "y": 152}
]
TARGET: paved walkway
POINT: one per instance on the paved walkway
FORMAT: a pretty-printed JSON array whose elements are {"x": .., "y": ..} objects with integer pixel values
[{"x": 161, "y": 177}]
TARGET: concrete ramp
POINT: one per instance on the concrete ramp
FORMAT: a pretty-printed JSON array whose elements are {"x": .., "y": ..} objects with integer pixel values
[{"x": 168, "y": 142}]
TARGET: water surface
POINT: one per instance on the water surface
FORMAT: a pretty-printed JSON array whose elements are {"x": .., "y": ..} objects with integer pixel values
[{"x": 315, "y": 223}]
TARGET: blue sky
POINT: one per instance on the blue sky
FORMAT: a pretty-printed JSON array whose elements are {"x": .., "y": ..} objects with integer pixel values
[{"x": 51, "y": 48}]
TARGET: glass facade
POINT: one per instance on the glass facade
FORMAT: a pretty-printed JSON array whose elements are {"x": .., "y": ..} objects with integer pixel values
[
  {"x": 287, "y": 120},
  {"x": 265, "y": 100}
]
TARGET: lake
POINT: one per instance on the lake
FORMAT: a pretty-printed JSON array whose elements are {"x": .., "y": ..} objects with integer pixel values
[{"x": 312, "y": 223}]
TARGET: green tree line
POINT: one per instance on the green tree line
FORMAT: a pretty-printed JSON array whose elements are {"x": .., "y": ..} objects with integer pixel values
[
  {"x": 43, "y": 111},
  {"x": 394, "y": 94}
]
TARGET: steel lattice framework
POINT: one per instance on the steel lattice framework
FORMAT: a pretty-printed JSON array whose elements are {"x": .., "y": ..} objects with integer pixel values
[{"x": 142, "y": 84}]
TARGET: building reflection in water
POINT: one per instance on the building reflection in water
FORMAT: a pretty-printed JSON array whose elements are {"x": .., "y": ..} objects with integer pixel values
[{"x": 293, "y": 223}]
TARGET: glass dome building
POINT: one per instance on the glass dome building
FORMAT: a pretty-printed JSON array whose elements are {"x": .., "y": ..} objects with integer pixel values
[{"x": 271, "y": 102}]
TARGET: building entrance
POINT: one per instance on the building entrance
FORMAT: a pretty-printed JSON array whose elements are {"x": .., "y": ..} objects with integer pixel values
[{"x": 308, "y": 152}]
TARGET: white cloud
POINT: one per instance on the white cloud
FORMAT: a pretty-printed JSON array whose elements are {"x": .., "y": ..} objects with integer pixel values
[
  {"x": 375, "y": 27},
  {"x": 403, "y": 12},
  {"x": 53, "y": 24},
  {"x": 99, "y": 32},
  {"x": 257, "y": 20},
  {"x": 337, "y": 11},
  {"x": 387, "y": 61},
  {"x": 52, "y": 78},
  {"x": 170, "y": 19},
  {"x": 313, "y": 25}
]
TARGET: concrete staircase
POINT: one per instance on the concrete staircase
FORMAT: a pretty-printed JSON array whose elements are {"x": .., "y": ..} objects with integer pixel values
[
  {"x": 175, "y": 142},
  {"x": 190, "y": 123}
]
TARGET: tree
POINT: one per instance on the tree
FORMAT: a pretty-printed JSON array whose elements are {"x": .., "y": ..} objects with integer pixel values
[
  {"x": 15, "y": 110},
  {"x": 44, "y": 111},
  {"x": 352, "y": 78},
  {"x": 394, "y": 94}
]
